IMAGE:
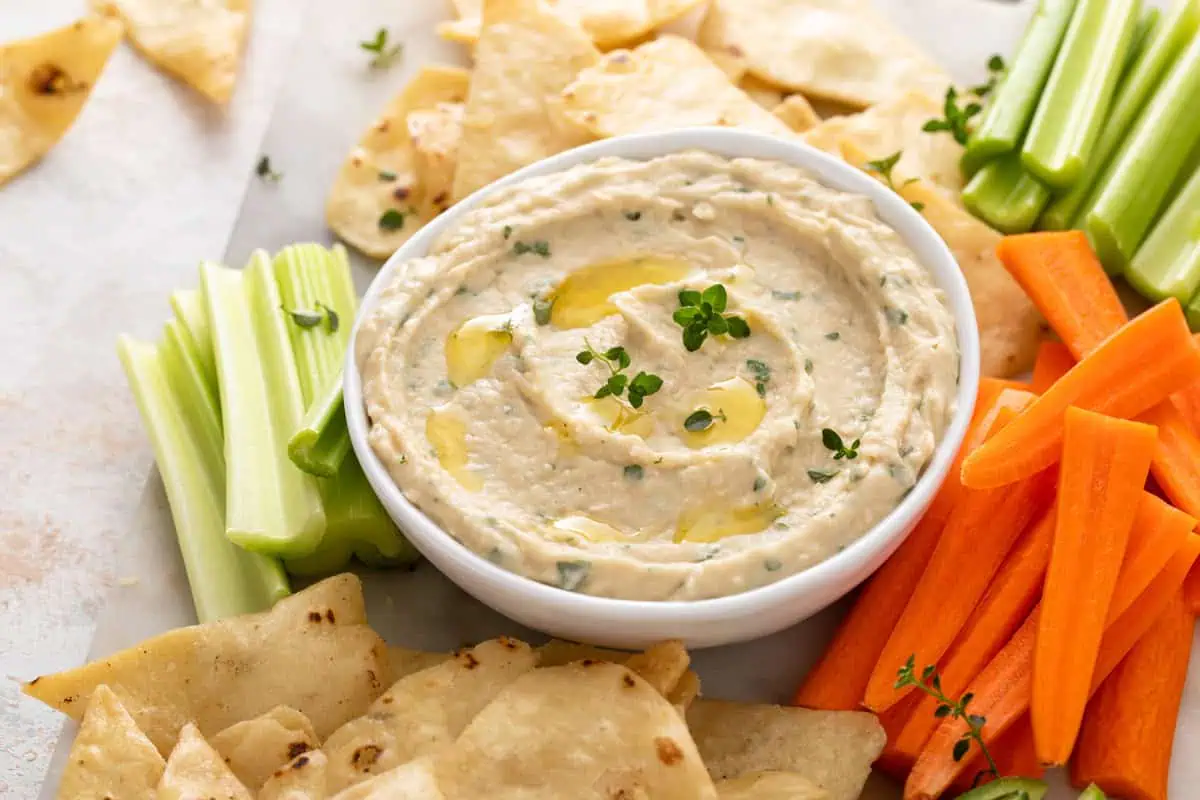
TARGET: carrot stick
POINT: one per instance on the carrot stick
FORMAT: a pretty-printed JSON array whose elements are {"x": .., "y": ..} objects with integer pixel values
[
  {"x": 893, "y": 761},
  {"x": 1191, "y": 590},
  {"x": 1137, "y": 367},
  {"x": 1125, "y": 743},
  {"x": 1015, "y": 757},
  {"x": 1065, "y": 280},
  {"x": 1013, "y": 592},
  {"x": 1105, "y": 462},
  {"x": 976, "y": 540},
  {"x": 1159, "y": 530},
  {"x": 1053, "y": 361},
  {"x": 839, "y": 679},
  {"x": 1178, "y": 447},
  {"x": 1002, "y": 691}
]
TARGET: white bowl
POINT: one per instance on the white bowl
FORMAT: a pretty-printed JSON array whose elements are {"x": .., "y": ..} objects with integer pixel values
[{"x": 701, "y": 623}]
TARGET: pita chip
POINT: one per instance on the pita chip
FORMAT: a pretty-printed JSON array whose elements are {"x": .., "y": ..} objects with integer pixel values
[
  {"x": 525, "y": 57},
  {"x": 255, "y": 748},
  {"x": 200, "y": 43},
  {"x": 833, "y": 749},
  {"x": 424, "y": 712},
  {"x": 44, "y": 83},
  {"x": 797, "y": 113},
  {"x": 414, "y": 780},
  {"x": 435, "y": 134},
  {"x": 302, "y": 778},
  {"x": 609, "y": 23},
  {"x": 842, "y": 50},
  {"x": 224, "y": 672},
  {"x": 194, "y": 770},
  {"x": 110, "y": 757},
  {"x": 663, "y": 84},
  {"x": 377, "y": 200},
  {"x": 895, "y": 126},
  {"x": 761, "y": 92},
  {"x": 770, "y": 785}
]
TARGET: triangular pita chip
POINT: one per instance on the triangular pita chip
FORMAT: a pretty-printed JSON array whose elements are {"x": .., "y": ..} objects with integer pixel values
[
  {"x": 110, "y": 757},
  {"x": 255, "y": 748},
  {"x": 663, "y": 84},
  {"x": 539, "y": 740},
  {"x": 435, "y": 134},
  {"x": 415, "y": 780},
  {"x": 198, "y": 41},
  {"x": 839, "y": 49},
  {"x": 525, "y": 56},
  {"x": 797, "y": 113},
  {"x": 761, "y": 92},
  {"x": 223, "y": 672},
  {"x": 423, "y": 712},
  {"x": 833, "y": 749},
  {"x": 405, "y": 662},
  {"x": 44, "y": 83},
  {"x": 610, "y": 23},
  {"x": 377, "y": 201},
  {"x": 196, "y": 772},
  {"x": 770, "y": 785},
  {"x": 302, "y": 778},
  {"x": 895, "y": 126}
]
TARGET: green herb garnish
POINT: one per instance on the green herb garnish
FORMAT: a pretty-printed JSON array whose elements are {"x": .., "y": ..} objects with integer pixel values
[
  {"x": 385, "y": 54},
  {"x": 331, "y": 318},
  {"x": 700, "y": 313},
  {"x": 572, "y": 574},
  {"x": 386, "y": 175},
  {"x": 821, "y": 475},
  {"x": 263, "y": 170},
  {"x": 310, "y": 318},
  {"x": 931, "y": 684},
  {"x": 392, "y": 220},
  {"x": 895, "y": 316},
  {"x": 540, "y": 246},
  {"x": 633, "y": 216},
  {"x": 833, "y": 441},
  {"x": 542, "y": 308},
  {"x": 955, "y": 119},
  {"x": 507, "y": 231},
  {"x": 633, "y": 472},
  {"x": 617, "y": 360},
  {"x": 772, "y": 565},
  {"x": 995, "y": 68},
  {"x": 701, "y": 420},
  {"x": 833, "y": 336}
]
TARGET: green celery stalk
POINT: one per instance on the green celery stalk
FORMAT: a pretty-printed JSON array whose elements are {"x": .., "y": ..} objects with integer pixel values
[
  {"x": 1062, "y": 135},
  {"x": 1161, "y": 48},
  {"x": 1005, "y": 195},
  {"x": 1147, "y": 24},
  {"x": 305, "y": 283},
  {"x": 322, "y": 440},
  {"x": 271, "y": 506},
  {"x": 225, "y": 580},
  {"x": 1135, "y": 186},
  {"x": 1006, "y": 118},
  {"x": 1168, "y": 262},
  {"x": 188, "y": 305}
]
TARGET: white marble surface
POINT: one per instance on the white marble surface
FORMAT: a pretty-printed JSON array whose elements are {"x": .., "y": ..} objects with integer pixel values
[{"x": 91, "y": 243}]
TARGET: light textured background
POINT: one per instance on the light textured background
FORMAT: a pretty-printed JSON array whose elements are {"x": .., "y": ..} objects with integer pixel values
[{"x": 93, "y": 240}]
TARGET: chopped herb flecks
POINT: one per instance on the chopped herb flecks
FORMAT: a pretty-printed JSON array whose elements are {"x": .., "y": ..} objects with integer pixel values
[
  {"x": 540, "y": 246},
  {"x": 761, "y": 373},
  {"x": 387, "y": 175},
  {"x": 780, "y": 294},
  {"x": 392, "y": 219},
  {"x": 772, "y": 565},
  {"x": 833, "y": 336},
  {"x": 263, "y": 170},
  {"x": 507, "y": 231},
  {"x": 572, "y": 574},
  {"x": 634, "y": 472},
  {"x": 895, "y": 316},
  {"x": 821, "y": 476},
  {"x": 542, "y": 308},
  {"x": 808, "y": 366},
  {"x": 954, "y": 119},
  {"x": 633, "y": 216},
  {"x": 702, "y": 419},
  {"x": 996, "y": 68}
]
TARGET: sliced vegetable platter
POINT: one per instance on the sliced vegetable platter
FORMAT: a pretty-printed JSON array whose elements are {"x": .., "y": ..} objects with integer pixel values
[{"x": 322, "y": 104}]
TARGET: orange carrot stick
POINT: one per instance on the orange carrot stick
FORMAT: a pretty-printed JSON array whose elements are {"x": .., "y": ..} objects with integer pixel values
[
  {"x": 1013, "y": 592},
  {"x": 1177, "y": 447},
  {"x": 839, "y": 679},
  {"x": 976, "y": 540},
  {"x": 1159, "y": 530},
  {"x": 1187, "y": 400},
  {"x": 1002, "y": 691},
  {"x": 1015, "y": 757},
  {"x": 1053, "y": 361},
  {"x": 892, "y": 761},
  {"x": 1125, "y": 744},
  {"x": 1105, "y": 462},
  {"x": 1137, "y": 367},
  {"x": 1191, "y": 590},
  {"x": 1060, "y": 273}
]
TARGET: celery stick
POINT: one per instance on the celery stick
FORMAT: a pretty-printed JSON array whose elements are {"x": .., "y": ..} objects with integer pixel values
[
  {"x": 1134, "y": 187},
  {"x": 1168, "y": 262},
  {"x": 188, "y": 381},
  {"x": 1192, "y": 312},
  {"x": 188, "y": 305},
  {"x": 1147, "y": 24},
  {"x": 272, "y": 507},
  {"x": 1007, "y": 116},
  {"x": 305, "y": 284},
  {"x": 322, "y": 440},
  {"x": 225, "y": 580},
  {"x": 1062, "y": 135},
  {"x": 1159, "y": 51},
  {"x": 1005, "y": 195}
]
